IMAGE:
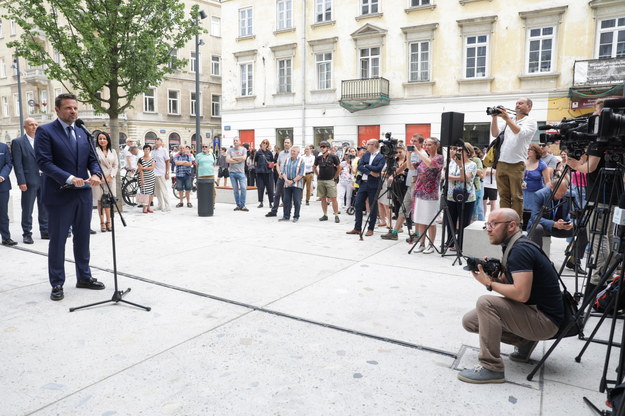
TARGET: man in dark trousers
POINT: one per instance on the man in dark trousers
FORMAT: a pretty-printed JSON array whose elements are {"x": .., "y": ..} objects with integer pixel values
[
  {"x": 29, "y": 180},
  {"x": 370, "y": 166},
  {"x": 5, "y": 187},
  {"x": 70, "y": 169}
]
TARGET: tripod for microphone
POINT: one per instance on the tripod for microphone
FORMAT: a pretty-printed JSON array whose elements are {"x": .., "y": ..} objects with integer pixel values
[{"x": 108, "y": 198}]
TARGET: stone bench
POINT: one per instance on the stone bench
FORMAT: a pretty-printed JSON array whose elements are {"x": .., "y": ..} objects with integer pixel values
[
  {"x": 476, "y": 242},
  {"x": 224, "y": 194}
]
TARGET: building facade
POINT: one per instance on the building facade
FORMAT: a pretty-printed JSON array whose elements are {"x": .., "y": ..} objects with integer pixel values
[
  {"x": 351, "y": 70},
  {"x": 166, "y": 110}
]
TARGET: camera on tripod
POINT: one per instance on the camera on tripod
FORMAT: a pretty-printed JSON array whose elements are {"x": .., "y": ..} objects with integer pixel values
[
  {"x": 388, "y": 146},
  {"x": 491, "y": 266}
]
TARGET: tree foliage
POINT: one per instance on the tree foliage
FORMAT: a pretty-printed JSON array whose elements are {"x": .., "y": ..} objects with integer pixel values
[{"x": 111, "y": 50}]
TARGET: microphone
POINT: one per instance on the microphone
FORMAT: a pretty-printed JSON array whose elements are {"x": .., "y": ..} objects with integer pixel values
[{"x": 81, "y": 124}]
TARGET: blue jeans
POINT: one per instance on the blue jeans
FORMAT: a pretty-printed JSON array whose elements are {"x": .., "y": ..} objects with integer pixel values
[
  {"x": 239, "y": 186},
  {"x": 478, "y": 210},
  {"x": 290, "y": 195}
]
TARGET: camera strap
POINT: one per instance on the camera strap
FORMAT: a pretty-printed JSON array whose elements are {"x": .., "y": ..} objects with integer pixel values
[{"x": 506, "y": 253}]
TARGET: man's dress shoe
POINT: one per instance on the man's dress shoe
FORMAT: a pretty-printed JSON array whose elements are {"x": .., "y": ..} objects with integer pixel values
[
  {"x": 57, "y": 293},
  {"x": 90, "y": 284}
]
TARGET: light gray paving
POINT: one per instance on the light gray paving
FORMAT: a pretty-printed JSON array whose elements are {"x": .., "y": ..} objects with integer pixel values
[{"x": 379, "y": 332}]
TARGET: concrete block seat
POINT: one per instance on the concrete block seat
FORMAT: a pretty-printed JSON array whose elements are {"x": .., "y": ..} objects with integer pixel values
[
  {"x": 476, "y": 242},
  {"x": 224, "y": 195}
]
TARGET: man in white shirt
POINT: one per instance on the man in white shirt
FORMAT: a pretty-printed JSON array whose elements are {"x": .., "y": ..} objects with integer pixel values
[
  {"x": 161, "y": 173},
  {"x": 309, "y": 161},
  {"x": 518, "y": 134},
  {"x": 125, "y": 152}
]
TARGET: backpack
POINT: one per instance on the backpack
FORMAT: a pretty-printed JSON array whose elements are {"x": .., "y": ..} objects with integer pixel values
[
  {"x": 605, "y": 300},
  {"x": 493, "y": 150}
]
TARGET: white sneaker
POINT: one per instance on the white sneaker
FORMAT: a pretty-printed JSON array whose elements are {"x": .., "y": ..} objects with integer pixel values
[
  {"x": 419, "y": 249},
  {"x": 429, "y": 250}
]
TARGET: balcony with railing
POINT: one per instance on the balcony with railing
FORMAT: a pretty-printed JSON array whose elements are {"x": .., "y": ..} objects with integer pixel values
[
  {"x": 364, "y": 94},
  {"x": 35, "y": 76}
]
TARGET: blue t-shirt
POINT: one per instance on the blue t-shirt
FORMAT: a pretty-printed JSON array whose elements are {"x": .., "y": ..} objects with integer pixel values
[{"x": 534, "y": 178}]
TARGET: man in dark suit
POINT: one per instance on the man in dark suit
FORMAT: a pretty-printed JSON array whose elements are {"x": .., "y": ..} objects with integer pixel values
[
  {"x": 29, "y": 181},
  {"x": 370, "y": 166},
  {"x": 5, "y": 187},
  {"x": 70, "y": 169}
]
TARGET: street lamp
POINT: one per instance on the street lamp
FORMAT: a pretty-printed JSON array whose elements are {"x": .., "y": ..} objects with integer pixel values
[
  {"x": 198, "y": 138},
  {"x": 16, "y": 65}
]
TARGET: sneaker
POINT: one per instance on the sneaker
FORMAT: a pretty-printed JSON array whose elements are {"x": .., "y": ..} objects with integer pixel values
[
  {"x": 389, "y": 236},
  {"x": 189, "y": 205},
  {"x": 283, "y": 219},
  {"x": 260, "y": 205},
  {"x": 429, "y": 250},
  {"x": 307, "y": 203},
  {"x": 271, "y": 214},
  {"x": 179, "y": 205},
  {"x": 244, "y": 209},
  {"x": 337, "y": 219},
  {"x": 238, "y": 208},
  {"x": 522, "y": 354},
  {"x": 295, "y": 219},
  {"x": 419, "y": 249},
  {"x": 412, "y": 239},
  {"x": 481, "y": 375},
  {"x": 324, "y": 218}
]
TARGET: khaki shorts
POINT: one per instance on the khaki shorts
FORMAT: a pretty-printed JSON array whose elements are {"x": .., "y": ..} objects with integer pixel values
[{"x": 326, "y": 189}]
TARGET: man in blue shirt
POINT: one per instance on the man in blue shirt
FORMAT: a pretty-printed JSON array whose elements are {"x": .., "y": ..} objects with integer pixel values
[
  {"x": 293, "y": 172},
  {"x": 184, "y": 175}
]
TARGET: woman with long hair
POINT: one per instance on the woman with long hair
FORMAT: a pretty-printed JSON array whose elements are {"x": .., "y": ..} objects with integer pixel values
[
  {"x": 461, "y": 191},
  {"x": 425, "y": 203},
  {"x": 110, "y": 166},
  {"x": 264, "y": 174},
  {"x": 536, "y": 175}
]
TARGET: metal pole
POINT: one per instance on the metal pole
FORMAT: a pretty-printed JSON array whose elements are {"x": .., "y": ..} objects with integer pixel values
[
  {"x": 16, "y": 60},
  {"x": 198, "y": 106}
]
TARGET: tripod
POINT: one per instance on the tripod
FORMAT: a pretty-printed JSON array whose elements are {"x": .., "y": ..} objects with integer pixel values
[{"x": 117, "y": 294}]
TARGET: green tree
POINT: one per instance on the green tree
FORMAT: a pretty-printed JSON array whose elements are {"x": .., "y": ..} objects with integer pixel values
[{"x": 111, "y": 50}]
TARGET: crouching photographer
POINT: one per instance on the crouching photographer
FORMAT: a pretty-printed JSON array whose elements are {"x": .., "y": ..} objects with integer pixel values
[{"x": 530, "y": 310}]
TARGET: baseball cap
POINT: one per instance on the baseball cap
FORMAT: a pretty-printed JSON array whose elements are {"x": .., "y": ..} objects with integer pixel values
[{"x": 325, "y": 143}]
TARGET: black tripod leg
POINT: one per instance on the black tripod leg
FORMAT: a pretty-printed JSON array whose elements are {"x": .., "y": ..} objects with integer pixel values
[
  {"x": 90, "y": 305},
  {"x": 147, "y": 308}
]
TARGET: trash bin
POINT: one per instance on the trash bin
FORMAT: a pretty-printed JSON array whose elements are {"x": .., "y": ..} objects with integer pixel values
[{"x": 205, "y": 197}]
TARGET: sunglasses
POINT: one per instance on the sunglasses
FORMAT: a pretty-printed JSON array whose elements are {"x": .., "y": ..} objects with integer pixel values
[{"x": 323, "y": 147}]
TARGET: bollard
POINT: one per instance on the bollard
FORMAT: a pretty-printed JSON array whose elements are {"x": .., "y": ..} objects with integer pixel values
[{"x": 205, "y": 197}]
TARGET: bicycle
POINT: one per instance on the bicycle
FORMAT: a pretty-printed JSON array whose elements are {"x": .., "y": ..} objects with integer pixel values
[
  {"x": 130, "y": 188},
  {"x": 173, "y": 185}
]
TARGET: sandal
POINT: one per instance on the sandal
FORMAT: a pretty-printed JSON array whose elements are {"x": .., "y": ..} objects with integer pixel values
[
  {"x": 102, "y": 227},
  {"x": 108, "y": 226}
]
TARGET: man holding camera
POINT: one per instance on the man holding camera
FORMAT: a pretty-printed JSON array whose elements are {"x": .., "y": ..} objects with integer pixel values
[
  {"x": 530, "y": 308},
  {"x": 518, "y": 133}
]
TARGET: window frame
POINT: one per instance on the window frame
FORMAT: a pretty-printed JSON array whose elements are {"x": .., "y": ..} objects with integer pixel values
[
  {"x": 285, "y": 81},
  {"x": 193, "y": 104},
  {"x": 153, "y": 98},
  {"x": 477, "y": 45},
  {"x": 246, "y": 23},
  {"x": 284, "y": 18},
  {"x": 216, "y": 105},
  {"x": 369, "y": 5},
  {"x": 540, "y": 39},
  {"x": 170, "y": 100},
  {"x": 246, "y": 87},
  {"x": 216, "y": 26},
  {"x": 419, "y": 3},
  {"x": 324, "y": 66},
  {"x": 216, "y": 66},
  {"x": 615, "y": 31},
  {"x": 373, "y": 62},
  {"x": 3, "y": 68},
  {"x": 323, "y": 13},
  {"x": 419, "y": 61},
  {"x": 5, "y": 107}
]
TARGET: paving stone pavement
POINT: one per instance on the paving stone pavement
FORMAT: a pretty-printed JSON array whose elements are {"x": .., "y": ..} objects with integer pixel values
[{"x": 254, "y": 317}]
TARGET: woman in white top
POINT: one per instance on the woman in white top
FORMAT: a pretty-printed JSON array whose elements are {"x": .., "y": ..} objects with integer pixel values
[{"x": 110, "y": 165}]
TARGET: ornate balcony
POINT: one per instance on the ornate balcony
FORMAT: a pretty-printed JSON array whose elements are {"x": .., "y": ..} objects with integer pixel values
[
  {"x": 364, "y": 94},
  {"x": 35, "y": 76}
]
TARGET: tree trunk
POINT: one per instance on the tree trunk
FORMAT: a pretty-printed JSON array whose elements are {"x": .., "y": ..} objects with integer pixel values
[{"x": 114, "y": 125}]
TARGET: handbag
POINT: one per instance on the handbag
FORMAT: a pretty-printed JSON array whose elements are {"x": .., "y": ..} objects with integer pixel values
[
  {"x": 460, "y": 194},
  {"x": 493, "y": 150},
  {"x": 270, "y": 165},
  {"x": 142, "y": 198}
]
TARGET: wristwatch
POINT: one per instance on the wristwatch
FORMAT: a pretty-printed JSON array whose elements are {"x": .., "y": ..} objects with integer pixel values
[{"x": 489, "y": 287}]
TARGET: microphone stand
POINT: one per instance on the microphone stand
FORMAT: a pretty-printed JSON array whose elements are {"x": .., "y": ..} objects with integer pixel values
[{"x": 108, "y": 197}]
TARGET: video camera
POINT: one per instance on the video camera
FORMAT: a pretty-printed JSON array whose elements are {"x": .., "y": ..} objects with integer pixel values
[
  {"x": 574, "y": 133},
  {"x": 388, "y": 146}
]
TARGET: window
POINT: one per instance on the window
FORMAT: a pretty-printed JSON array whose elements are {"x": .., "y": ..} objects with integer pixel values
[
  {"x": 57, "y": 92},
  {"x": 323, "y": 11},
  {"x": 172, "y": 61},
  {"x": 323, "y": 134},
  {"x": 3, "y": 68},
  {"x": 245, "y": 22},
  {"x": 417, "y": 3},
  {"x": 324, "y": 70},
  {"x": 194, "y": 105},
  {"x": 13, "y": 27},
  {"x": 215, "y": 26},
  {"x": 173, "y": 101},
  {"x": 43, "y": 100},
  {"x": 1, "y": 29},
  {"x": 369, "y": 63},
  {"x": 247, "y": 79},
  {"x": 475, "y": 49},
  {"x": 194, "y": 63},
  {"x": 612, "y": 38},
  {"x": 369, "y": 6},
  {"x": 419, "y": 61},
  {"x": 57, "y": 57},
  {"x": 216, "y": 65},
  {"x": 283, "y": 133},
  {"x": 149, "y": 101},
  {"x": 30, "y": 102},
  {"x": 284, "y": 75},
  {"x": 16, "y": 100},
  {"x": 540, "y": 49},
  {"x": 285, "y": 14},
  {"x": 5, "y": 106},
  {"x": 216, "y": 105}
]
